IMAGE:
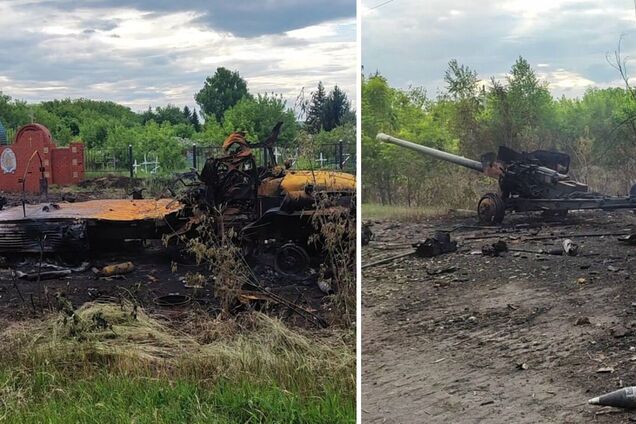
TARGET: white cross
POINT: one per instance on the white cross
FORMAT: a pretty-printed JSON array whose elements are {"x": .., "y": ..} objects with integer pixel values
[
  {"x": 346, "y": 158},
  {"x": 156, "y": 163},
  {"x": 322, "y": 160},
  {"x": 277, "y": 154}
]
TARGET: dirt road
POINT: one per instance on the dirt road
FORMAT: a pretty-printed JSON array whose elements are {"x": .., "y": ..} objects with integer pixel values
[{"x": 520, "y": 338}]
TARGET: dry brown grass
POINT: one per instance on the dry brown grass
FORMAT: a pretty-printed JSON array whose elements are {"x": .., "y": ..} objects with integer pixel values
[
  {"x": 337, "y": 235},
  {"x": 125, "y": 339}
]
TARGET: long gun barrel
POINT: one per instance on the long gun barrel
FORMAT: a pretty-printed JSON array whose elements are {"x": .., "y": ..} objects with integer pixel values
[
  {"x": 547, "y": 173},
  {"x": 449, "y": 157}
]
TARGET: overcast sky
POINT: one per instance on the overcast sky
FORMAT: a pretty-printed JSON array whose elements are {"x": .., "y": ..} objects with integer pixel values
[
  {"x": 566, "y": 41},
  {"x": 149, "y": 53}
]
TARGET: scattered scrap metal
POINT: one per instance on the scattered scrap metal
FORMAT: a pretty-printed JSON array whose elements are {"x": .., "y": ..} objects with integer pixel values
[
  {"x": 367, "y": 234},
  {"x": 70, "y": 227},
  {"x": 439, "y": 243},
  {"x": 57, "y": 272},
  {"x": 567, "y": 247},
  {"x": 494, "y": 249}
]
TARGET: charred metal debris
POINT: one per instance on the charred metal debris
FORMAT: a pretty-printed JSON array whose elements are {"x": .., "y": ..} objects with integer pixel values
[
  {"x": 269, "y": 211},
  {"x": 507, "y": 240}
]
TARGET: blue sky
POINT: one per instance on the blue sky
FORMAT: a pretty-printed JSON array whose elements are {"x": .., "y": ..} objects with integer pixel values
[
  {"x": 145, "y": 53},
  {"x": 566, "y": 41}
]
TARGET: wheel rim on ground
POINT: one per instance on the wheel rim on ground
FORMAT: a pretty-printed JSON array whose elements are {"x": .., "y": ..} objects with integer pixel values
[
  {"x": 490, "y": 209},
  {"x": 291, "y": 259}
]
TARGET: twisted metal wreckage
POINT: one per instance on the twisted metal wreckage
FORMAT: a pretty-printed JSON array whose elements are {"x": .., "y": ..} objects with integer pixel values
[{"x": 270, "y": 207}]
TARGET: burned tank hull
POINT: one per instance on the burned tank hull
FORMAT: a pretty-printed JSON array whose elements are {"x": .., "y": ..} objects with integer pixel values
[
  {"x": 76, "y": 227},
  {"x": 272, "y": 210}
]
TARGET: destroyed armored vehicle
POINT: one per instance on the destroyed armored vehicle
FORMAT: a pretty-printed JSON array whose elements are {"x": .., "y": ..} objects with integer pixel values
[
  {"x": 271, "y": 208},
  {"x": 535, "y": 181}
]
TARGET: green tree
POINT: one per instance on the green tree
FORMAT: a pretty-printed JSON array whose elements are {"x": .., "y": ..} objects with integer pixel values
[
  {"x": 194, "y": 120},
  {"x": 520, "y": 113},
  {"x": 464, "y": 107},
  {"x": 13, "y": 113},
  {"x": 187, "y": 114},
  {"x": 529, "y": 97},
  {"x": 461, "y": 81},
  {"x": 315, "y": 115},
  {"x": 171, "y": 114},
  {"x": 337, "y": 109},
  {"x": 95, "y": 132},
  {"x": 257, "y": 116},
  {"x": 220, "y": 92},
  {"x": 211, "y": 134},
  {"x": 328, "y": 111},
  {"x": 148, "y": 115},
  {"x": 150, "y": 141}
]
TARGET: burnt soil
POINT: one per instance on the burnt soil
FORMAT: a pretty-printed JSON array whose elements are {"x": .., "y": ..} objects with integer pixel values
[
  {"x": 521, "y": 338},
  {"x": 158, "y": 271}
]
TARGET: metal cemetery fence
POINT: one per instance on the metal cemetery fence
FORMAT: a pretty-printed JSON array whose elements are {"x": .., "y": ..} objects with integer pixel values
[
  {"x": 133, "y": 163},
  {"x": 102, "y": 162}
]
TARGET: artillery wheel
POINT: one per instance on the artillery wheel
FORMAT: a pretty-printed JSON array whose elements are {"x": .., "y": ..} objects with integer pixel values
[
  {"x": 291, "y": 260},
  {"x": 491, "y": 209}
]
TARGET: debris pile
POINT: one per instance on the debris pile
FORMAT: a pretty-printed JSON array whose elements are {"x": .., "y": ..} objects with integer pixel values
[
  {"x": 438, "y": 244},
  {"x": 142, "y": 248}
]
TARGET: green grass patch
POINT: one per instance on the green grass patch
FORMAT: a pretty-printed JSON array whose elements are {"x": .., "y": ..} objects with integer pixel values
[
  {"x": 401, "y": 213},
  {"x": 51, "y": 397},
  {"x": 114, "y": 363}
]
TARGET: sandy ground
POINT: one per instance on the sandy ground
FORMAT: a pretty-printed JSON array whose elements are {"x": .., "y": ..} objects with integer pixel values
[{"x": 468, "y": 338}]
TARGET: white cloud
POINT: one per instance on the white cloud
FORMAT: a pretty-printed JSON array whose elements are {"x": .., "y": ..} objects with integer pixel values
[
  {"x": 141, "y": 58},
  {"x": 562, "y": 79},
  {"x": 565, "y": 40}
]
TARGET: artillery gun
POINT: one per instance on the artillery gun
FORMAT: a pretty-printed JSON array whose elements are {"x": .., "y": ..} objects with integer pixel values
[{"x": 528, "y": 181}]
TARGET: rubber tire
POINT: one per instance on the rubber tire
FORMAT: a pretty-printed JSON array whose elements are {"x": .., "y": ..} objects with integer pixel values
[
  {"x": 495, "y": 217},
  {"x": 301, "y": 255}
]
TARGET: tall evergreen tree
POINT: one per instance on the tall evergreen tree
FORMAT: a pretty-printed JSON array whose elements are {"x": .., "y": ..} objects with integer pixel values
[
  {"x": 315, "y": 116},
  {"x": 194, "y": 120},
  {"x": 335, "y": 109}
]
